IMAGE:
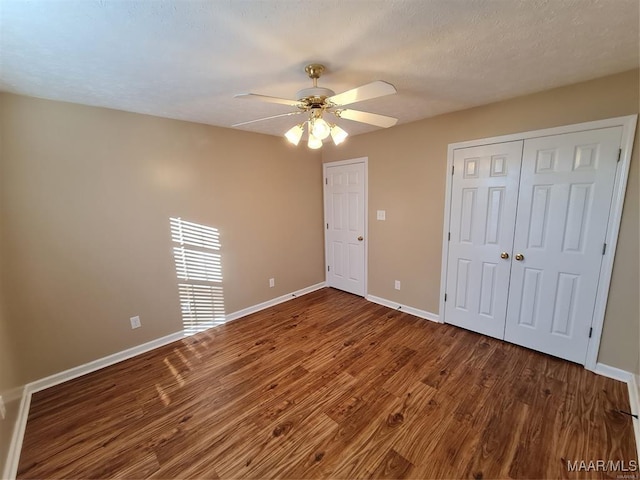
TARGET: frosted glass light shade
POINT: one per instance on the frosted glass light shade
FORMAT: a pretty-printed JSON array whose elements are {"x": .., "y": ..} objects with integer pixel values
[
  {"x": 314, "y": 142},
  {"x": 320, "y": 128},
  {"x": 294, "y": 134},
  {"x": 338, "y": 135}
]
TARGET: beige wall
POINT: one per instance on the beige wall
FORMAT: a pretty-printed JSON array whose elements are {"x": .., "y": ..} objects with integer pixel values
[
  {"x": 9, "y": 383},
  {"x": 407, "y": 179},
  {"x": 87, "y": 194}
]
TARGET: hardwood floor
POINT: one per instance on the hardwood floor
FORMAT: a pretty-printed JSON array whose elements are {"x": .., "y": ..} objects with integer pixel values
[{"x": 330, "y": 386}]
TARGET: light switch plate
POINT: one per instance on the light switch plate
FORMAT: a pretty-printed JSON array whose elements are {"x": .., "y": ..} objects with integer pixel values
[{"x": 381, "y": 215}]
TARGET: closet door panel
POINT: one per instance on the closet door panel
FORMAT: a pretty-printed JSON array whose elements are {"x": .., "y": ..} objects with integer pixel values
[
  {"x": 563, "y": 208},
  {"x": 483, "y": 209}
]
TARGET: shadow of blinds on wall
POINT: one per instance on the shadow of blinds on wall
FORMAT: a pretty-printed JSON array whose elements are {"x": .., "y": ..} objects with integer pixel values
[{"x": 199, "y": 270}]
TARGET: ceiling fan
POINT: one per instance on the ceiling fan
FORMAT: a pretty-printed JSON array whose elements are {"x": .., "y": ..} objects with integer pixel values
[{"x": 318, "y": 101}]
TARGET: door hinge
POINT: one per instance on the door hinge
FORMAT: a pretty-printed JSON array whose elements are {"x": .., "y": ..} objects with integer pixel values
[
  {"x": 590, "y": 331},
  {"x": 449, "y": 237},
  {"x": 327, "y": 226},
  {"x": 326, "y": 181},
  {"x": 445, "y": 297},
  {"x": 619, "y": 154},
  {"x": 604, "y": 248},
  {"x": 328, "y": 268},
  {"x": 453, "y": 167}
]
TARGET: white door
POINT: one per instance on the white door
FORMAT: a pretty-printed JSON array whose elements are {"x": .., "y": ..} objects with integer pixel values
[
  {"x": 565, "y": 195},
  {"x": 483, "y": 215},
  {"x": 345, "y": 214}
]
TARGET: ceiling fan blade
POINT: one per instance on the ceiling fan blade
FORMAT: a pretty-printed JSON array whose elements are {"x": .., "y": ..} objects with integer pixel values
[
  {"x": 365, "y": 92},
  {"x": 266, "y": 118},
  {"x": 366, "y": 117},
  {"x": 266, "y": 98}
]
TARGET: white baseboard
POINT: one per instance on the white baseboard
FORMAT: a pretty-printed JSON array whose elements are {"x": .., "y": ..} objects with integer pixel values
[
  {"x": 81, "y": 370},
  {"x": 13, "y": 457},
  {"x": 634, "y": 401},
  {"x": 107, "y": 361},
  {"x": 275, "y": 301},
  {"x": 613, "y": 372},
  {"x": 404, "y": 308}
]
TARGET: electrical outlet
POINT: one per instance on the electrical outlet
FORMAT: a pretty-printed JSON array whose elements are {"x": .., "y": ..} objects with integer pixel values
[
  {"x": 3, "y": 409},
  {"x": 135, "y": 322},
  {"x": 272, "y": 282},
  {"x": 397, "y": 285},
  {"x": 381, "y": 214}
]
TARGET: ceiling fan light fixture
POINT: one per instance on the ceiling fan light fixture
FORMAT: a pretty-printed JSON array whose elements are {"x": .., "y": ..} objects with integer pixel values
[
  {"x": 294, "y": 134},
  {"x": 320, "y": 128},
  {"x": 338, "y": 135},
  {"x": 314, "y": 143}
]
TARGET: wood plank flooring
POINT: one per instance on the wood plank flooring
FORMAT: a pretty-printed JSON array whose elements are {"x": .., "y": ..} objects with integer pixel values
[{"x": 330, "y": 386}]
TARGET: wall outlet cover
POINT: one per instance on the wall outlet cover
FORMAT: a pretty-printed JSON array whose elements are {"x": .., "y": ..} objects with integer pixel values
[
  {"x": 397, "y": 285},
  {"x": 272, "y": 282},
  {"x": 381, "y": 214}
]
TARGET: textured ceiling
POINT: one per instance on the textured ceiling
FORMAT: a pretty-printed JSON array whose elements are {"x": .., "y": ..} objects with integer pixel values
[{"x": 186, "y": 59}]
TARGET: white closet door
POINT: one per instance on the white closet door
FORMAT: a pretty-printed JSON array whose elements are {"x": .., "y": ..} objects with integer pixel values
[
  {"x": 563, "y": 209},
  {"x": 483, "y": 212}
]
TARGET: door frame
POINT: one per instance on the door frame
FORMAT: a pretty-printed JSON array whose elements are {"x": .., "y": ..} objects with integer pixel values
[
  {"x": 628, "y": 124},
  {"x": 365, "y": 161}
]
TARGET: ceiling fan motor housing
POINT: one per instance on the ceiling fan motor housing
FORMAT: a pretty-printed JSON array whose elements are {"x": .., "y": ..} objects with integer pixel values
[{"x": 314, "y": 95}]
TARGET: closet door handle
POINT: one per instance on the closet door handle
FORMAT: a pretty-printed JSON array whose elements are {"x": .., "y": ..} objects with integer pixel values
[
  {"x": 519, "y": 257},
  {"x": 504, "y": 255}
]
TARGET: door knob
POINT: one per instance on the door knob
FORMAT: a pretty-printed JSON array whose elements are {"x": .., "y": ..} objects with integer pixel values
[
  {"x": 360, "y": 238},
  {"x": 504, "y": 255},
  {"x": 519, "y": 257}
]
